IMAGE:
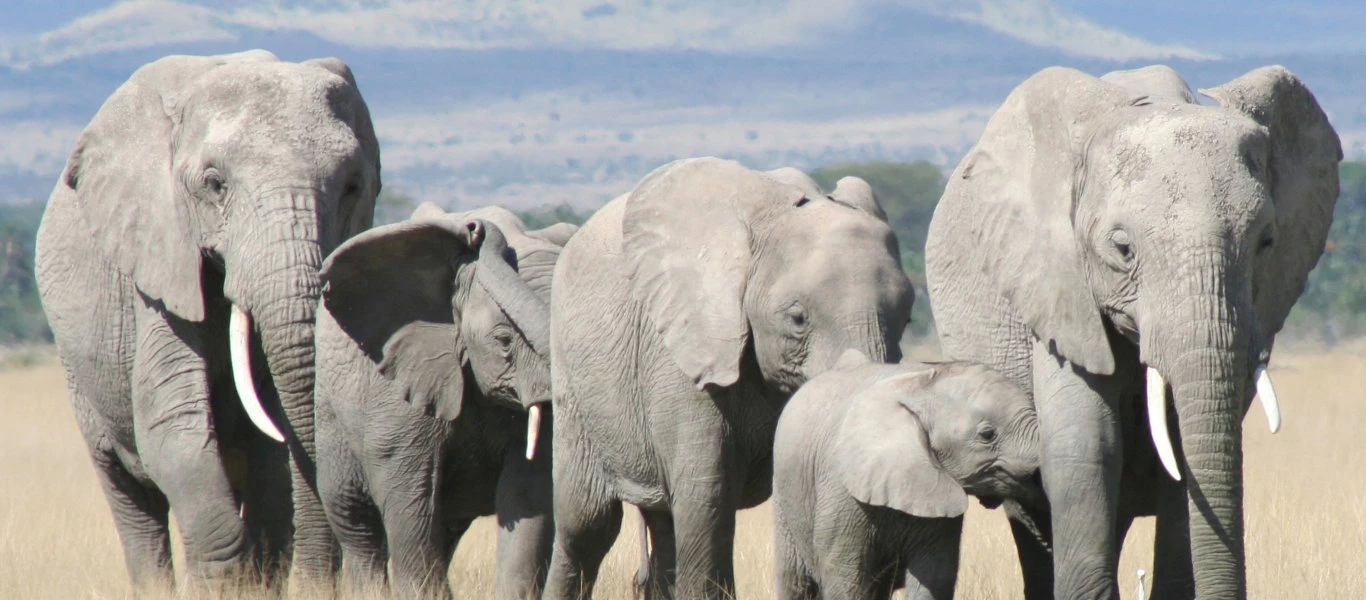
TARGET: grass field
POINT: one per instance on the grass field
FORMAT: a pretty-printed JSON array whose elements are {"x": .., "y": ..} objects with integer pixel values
[{"x": 1306, "y": 520}]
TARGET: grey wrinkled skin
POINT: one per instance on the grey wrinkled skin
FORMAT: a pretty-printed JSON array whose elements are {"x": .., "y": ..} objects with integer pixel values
[
  {"x": 685, "y": 313},
  {"x": 425, "y": 373},
  {"x": 204, "y": 182},
  {"x": 1104, "y": 226},
  {"x": 872, "y": 466}
]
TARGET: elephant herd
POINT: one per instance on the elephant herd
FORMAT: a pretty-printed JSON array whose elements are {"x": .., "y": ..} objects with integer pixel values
[{"x": 309, "y": 395}]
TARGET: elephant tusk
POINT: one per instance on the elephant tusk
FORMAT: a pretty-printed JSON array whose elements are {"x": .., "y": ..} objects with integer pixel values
[
  {"x": 1267, "y": 395},
  {"x": 1157, "y": 422},
  {"x": 239, "y": 339},
  {"x": 533, "y": 430}
]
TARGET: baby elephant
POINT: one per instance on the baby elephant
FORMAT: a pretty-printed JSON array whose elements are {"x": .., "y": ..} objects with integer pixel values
[
  {"x": 872, "y": 467},
  {"x": 432, "y": 365}
]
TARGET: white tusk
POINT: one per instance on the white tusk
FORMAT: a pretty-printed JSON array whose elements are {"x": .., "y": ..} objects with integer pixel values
[
  {"x": 533, "y": 430},
  {"x": 1157, "y": 422},
  {"x": 1267, "y": 394},
  {"x": 239, "y": 339}
]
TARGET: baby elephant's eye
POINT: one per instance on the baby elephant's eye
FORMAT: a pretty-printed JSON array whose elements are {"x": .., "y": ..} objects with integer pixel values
[
  {"x": 987, "y": 434},
  {"x": 503, "y": 338}
]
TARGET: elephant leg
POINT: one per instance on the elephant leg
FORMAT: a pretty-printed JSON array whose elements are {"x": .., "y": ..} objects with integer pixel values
[
  {"x": 1173, "y": 573},
  {"x": 140, "y": 515},
  {"x": 419, "y": 542},
  {"x": 931, "y": 559},
  {"x": 851, "y": 569},
  {"x": 662, "y": 561},
  {"x": 1081, "y": 460},
  {"x": 795, "y": 581},
  {"x": 178, "y": 446},
  {"x": 526, "y": 527},
  {"x": 705, "y": 537},
  {"x": 266, "y": 506},
  {"x": 587, "y": 521},
  {"x": 355, "y": 520}
]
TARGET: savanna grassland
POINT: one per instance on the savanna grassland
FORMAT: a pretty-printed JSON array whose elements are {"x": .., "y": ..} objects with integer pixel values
[{"x": 1306, "y": 514}]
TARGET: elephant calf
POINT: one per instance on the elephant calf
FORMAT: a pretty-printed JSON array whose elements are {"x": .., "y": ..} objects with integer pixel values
[
  {"x": 431, "y": 350},
  {"x": 872, "y": 467}
]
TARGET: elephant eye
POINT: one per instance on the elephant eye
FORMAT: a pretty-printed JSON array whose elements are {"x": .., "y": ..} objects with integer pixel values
[
  {"x": 503, "y": 338},
  {"x": 1266, "y": 244},
  {"x": 213, "y": 181},
  {"x": 796, "y": 315},
  {"x": 1120, "y": 239},
  {"x": 987, "y": 434}
]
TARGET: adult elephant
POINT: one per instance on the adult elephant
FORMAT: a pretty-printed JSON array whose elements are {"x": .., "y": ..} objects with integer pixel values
[
  {"x": 199, "y": 202},
  {"x": 1106, "y": 228},
  {"x": 684, "y": 315},
  {"x": 433, "y": 346}
]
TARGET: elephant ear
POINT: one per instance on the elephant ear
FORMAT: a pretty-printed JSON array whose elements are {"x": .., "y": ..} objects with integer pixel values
[
  {"x": 855, "y": 192},
  {"x": 430, "y": 360},
  {"x": 1021, "y": 177},
  {"x": 1303, "y": 180},
  {"x": 883, "y": 451},
  {"x": 120, "y": 173},
  {"x": 557, "y": 234},
  {"x": 536, "y": 264},
  {"x": 686, "y": 239},
  {"x": 391, "y": 290}
]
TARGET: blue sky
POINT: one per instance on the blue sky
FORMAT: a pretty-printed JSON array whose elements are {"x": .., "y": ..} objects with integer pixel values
[{"x": 532, "y": 101}]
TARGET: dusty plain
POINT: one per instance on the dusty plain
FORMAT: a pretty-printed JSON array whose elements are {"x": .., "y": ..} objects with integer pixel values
[{"x": 1306, "y": 509}]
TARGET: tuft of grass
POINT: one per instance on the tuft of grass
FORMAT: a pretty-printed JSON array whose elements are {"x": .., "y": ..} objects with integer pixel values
[{"x": 1306, "y": 524}]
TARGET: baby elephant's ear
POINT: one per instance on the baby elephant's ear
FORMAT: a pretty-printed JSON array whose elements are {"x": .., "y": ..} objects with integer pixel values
[{"x": 883, "y": 453}]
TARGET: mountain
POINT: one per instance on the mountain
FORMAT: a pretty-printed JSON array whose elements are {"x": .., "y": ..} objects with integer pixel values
[{"x": 526, "y": 103}]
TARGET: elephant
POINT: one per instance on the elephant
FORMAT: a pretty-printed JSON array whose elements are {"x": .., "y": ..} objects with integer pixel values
[
  {"x": 431, "y": 349},
  {"x": 177, "y": 262},
  {"x": 1127, "y": 256},
  {"x": 684, "y": 314},
  {"x": 872, "y": 465}
]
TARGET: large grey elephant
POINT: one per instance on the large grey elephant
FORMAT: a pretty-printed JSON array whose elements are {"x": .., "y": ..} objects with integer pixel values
[
  {"x": 1105, "y": 239},
  {"x": 201, "y": 199},
  {"x": 685, "y": 313},
  {"x": 872, "y": 465},
  {"x": 430, "y": 350}
]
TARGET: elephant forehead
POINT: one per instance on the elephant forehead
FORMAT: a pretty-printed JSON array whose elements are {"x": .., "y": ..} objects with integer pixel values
[{"x": 1190, "y": 131}]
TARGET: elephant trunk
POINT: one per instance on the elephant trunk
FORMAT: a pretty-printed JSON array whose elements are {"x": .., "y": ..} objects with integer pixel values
[
  {"x": 1205, "y": 355},
  {"x": 869, "y": 334},
  {"x": 532, "y": 317},
  {"x": 276, "y": 289}
]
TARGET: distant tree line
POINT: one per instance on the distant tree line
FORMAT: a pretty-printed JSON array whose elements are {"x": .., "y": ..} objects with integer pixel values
[{"x": 1333, "y": 307}]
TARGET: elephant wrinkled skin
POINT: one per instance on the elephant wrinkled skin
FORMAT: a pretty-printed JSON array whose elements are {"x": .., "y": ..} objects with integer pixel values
[
  {"x": 685, "y": 313},
  {"x": 1104, "y": 228},
  {"x": 205, "y": 191}
]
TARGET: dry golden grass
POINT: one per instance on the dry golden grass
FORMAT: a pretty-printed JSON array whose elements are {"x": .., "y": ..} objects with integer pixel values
[{"x": 1306, "y": 516}]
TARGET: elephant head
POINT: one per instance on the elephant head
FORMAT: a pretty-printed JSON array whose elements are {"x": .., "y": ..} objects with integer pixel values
[
  {"x": 1118, "y": 204},
  {"x": 436, "y": 300},
  {"x": 725, "y": 259},
  {"x": 921, "y": 438}
]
